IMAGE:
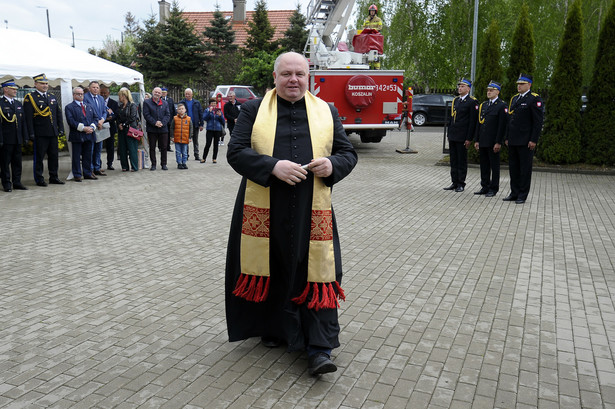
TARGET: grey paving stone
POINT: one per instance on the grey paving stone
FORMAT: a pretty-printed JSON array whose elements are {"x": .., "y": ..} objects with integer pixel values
[{"x": 453, "y": 300}]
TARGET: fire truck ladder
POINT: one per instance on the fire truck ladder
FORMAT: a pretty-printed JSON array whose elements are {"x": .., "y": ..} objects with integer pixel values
[{"x": 328, "y": 19}]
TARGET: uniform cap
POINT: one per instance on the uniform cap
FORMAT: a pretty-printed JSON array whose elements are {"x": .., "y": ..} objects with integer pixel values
[
  {"x": 524, "y": 79},
  {"x": 164, "y": 89},
  {"x": 42, "y": 78},
  {"x": 494, "y": 85},
  {"x": 465, "y": 81},
  {"x": 9, "y": 84}
]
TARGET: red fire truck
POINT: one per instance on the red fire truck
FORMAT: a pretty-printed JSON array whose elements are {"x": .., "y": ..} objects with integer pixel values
[{"x": 369, "y": 101}]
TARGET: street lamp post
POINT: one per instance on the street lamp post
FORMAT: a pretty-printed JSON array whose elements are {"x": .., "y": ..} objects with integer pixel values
[
  {"x": 474, "y": 45},
  {"x": 71, "y": 29},
  {"x": 48, "y": 26}
]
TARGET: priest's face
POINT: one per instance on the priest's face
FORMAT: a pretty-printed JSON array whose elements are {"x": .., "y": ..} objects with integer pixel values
[{"x": 291, "y": 77}]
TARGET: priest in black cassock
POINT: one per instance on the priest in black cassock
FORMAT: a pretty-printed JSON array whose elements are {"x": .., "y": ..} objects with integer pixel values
[{"x": 283, "y": 268}]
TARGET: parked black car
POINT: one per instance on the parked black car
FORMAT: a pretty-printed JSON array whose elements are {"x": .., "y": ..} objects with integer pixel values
[{"x": 430, "y": 108}]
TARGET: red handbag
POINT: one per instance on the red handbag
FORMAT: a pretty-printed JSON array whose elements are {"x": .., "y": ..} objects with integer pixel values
[{"x": 135, "y": 133}]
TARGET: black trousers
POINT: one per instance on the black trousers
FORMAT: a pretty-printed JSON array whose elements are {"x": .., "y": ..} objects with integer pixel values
[
  {"x": 459, "y": 163},
  {"x": 215, "y": 137},
  {"x": 161, "y": 138},
  {"x": 520, "y": 160},
  {"x": 45, "y": 145},
  {"x": 230, "y": 125},
  {"x": 10, "y": 162},
  {"x": 110, "y": 148},
  {"x": 489, "y": 169}
]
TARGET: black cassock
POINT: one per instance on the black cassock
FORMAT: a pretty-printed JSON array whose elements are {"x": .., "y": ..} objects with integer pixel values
[{"x": 290, "y": 226}]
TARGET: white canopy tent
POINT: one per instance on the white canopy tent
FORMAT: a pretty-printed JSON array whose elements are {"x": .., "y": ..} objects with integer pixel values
[{"x": 26, "y": 54}]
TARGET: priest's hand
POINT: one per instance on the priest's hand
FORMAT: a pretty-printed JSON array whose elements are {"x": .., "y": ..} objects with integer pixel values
[
  {"x": 321, "y": 167},
  {"x": 289, "y": 172}
]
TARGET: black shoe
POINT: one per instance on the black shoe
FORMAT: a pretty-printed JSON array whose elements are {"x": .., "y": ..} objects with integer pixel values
[
  {"x": 92, "y": 177},
  {"x": 153, "y": 167},
  {"x": 110, "y": 167},
  {"x": 459, "y": 189},
  {"x": 7, "y": 189},
  {"x": 56, "y": 181},
  {"x": 490, "y": 194},
  {"x": 164, "y": 167},
  {"x": 451, "y": 187},
  {"x": 42, "y": 183},
  {"x": 481, "y": 192},
  {"x": 184, "y": 166},
  {"x": 19, "y": 186},
  {"x": 100, "y": 173},
  {"x": 520, "y": 201},
  {"x": 509, "y": 198},
  {"x": 320, "y": 363},
  {"x": 180, "y": 166},
  {"x": 77, "y": 179},
  {"x": 271, "y": 342}
]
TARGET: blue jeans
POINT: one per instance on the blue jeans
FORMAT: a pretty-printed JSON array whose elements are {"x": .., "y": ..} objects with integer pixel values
[
  {"x": 96, "y": 149},
  {"x": 181, "y": 152}
]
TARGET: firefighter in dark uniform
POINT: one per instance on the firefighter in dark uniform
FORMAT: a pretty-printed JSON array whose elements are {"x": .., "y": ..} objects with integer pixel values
[
  {"x": 492, "y": 121},
  {"x": 13, "y": 133},
  {"x": 524, "y": 125},
  {"x": 44, "y": 119},
  {"x": 461, "y": 128}
]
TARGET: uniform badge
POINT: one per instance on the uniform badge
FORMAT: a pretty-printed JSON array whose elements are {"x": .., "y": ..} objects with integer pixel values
[
  {"x": 476, "y": 107},
  {"x": 505, "y": 110},
  {"x": 539, "y": 104}
]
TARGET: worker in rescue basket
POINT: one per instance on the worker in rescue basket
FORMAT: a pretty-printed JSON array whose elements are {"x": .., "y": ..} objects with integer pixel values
[{"x": 373, "y": 21}]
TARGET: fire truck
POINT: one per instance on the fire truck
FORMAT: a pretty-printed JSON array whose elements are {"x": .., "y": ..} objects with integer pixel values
[{"x": 369, "y": 101}]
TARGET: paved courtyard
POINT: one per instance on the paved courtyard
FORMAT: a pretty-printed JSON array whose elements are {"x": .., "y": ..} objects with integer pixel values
[{"x": 111, "y": 292}]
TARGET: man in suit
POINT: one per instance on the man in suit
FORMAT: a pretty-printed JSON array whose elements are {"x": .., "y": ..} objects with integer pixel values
[
  {"x": 82, "y": 122},
  {"x": 195, "y": 112},
  {"x": 172, "y": 111},
  {"x": 461, "y": 128},
  {"x": 44, "y": 118},
  {"x": 97, "y": 102},
  {"x": 524, "y": 125},
  {"x": 489, "y": 138},
  {"x": 13, "y": 133},
  {"x": 112, "y": 110}
]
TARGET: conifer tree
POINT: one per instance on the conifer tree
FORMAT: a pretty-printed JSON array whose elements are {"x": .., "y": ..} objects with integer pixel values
[
  {"x": 260, "y": 33},
  {"x": 489, "y": 68},
  {"x": 522, "y": 59},
  {"x": 296, "y": 36},
  {"x": 598, "y": 120},
  {"x": 183, "y": 49},
  {"x": 561, "y": 138},
  {"x": 131, "y": 25},
  {"x": 222, "y": 58},
  {"x": 150, "y": 55}
]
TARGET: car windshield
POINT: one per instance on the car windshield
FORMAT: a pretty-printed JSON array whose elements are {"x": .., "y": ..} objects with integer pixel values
[{"x": 221, "y": 90}]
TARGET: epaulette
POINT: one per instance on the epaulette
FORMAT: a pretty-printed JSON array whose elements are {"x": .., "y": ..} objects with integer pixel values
[
  {"x": 535, "y": 94},
  {"x": 474, "y": 98}
]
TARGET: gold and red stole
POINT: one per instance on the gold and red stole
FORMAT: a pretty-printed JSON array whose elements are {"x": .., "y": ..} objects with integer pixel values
[{"x": 253, "y": 282}]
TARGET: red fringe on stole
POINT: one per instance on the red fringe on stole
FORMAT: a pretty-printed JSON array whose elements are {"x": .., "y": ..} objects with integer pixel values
[
  {"x": 252, "y": 288},
  {"x": 330, "y": 294}
]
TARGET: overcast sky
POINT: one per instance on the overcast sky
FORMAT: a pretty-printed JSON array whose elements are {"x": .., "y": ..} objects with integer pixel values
[{"x": 93, "y": 21}]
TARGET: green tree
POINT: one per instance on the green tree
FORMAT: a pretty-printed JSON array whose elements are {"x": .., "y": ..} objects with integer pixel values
[
  {"x": 183, "y": 48},
  {"x": 296, "y": 36},
  {"x": 131, "y": 25},
  {"x": 150, "y": 55},
  {"x": 561, "y": 137},
  {"x": 222, "y": 58},
  {"x": 597, "y": 122},
  {"x": 260, "y": 31},
  {"x": 488, "y": 68},
  {"x": 522, "y": 58},
  {"x": 489, "y": 56},
  {"x": 257, "y": 71}
]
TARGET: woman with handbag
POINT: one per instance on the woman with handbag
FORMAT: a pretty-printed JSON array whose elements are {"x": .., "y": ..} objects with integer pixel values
[{"x": 127, "y": 118}]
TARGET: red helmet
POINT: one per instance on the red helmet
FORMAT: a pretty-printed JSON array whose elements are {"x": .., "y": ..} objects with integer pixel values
[{"x": 373, "y": 7}]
